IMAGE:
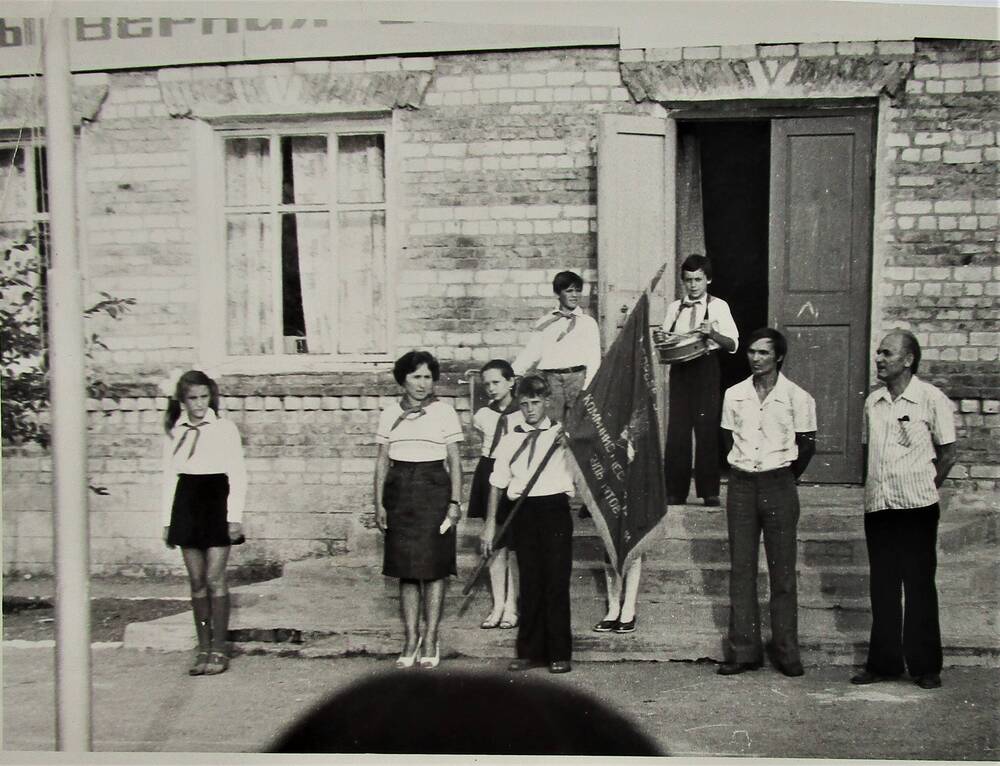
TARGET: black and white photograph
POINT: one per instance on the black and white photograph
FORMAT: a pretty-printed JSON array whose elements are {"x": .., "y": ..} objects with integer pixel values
[{"x": 402, "y": 380}]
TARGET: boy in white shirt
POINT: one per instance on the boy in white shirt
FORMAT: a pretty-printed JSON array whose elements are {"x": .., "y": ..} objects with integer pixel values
[
  {"x": 565, "y": 347},
  {"x": 542, "y": 527},
  {"x": 695, "y": 398}
]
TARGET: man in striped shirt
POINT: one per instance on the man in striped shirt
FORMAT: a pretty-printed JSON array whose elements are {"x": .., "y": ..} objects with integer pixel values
[{"x": 909, "y": 443}]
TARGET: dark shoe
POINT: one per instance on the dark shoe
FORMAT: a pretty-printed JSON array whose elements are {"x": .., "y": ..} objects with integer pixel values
[
  {"x": 560, "y": 666},
  {"x": 523, "y": 663},
  {"x": 791, "y": 669},
  {"x": 198, "y": 664},
  {"x": 734, "y": 668},
  {"x": 676, "y": 500},
  {"x": 929, "y": 681},
  {"x": 606, "y": 626},
  {"x": 626, "y": 627},
  {"x": 217, "y": 663},
  {"x": 866, "y": 677},
  {"x": 713, "y": 501}
]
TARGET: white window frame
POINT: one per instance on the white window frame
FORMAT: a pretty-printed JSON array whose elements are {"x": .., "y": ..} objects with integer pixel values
[
  {"x": 35, "y": 217},
  {"x": 209, "y": 141}
]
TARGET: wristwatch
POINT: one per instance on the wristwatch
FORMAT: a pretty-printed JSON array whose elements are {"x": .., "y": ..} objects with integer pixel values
[{"x": 456, "y": 502}]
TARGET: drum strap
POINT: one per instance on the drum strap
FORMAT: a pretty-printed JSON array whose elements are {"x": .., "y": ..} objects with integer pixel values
[{"x": 708, "y": 299}]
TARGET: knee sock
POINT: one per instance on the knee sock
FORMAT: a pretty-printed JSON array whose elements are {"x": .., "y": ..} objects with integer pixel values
[
  {"x": 220, "y": 623},
  {"x": 202, "y": 610}
]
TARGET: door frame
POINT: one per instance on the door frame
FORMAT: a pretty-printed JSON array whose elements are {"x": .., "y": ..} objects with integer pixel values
[{"x": 746, "y": 110}]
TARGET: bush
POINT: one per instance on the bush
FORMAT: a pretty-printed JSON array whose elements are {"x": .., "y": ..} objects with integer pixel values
[{"x": 24, "y": 354}]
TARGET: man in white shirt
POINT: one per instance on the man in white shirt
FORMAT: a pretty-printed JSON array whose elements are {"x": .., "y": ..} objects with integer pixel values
[
  {"x": 565, "y": 347},
  {"x": 909, "y": 443},
  {"x": 769, "y": 424},
  {"x": 694, "y": 385}
]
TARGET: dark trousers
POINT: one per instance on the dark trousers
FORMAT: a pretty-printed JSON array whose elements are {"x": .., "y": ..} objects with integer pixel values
[
  {"x": 767, "y": 502},
  {"x": 543, "y": 537},
  {"x": 695, "y": 404},
  {"x": 902, "y": 557}
]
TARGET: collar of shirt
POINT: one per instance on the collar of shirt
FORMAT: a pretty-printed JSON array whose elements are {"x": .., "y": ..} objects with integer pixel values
[
  {"x": 780, "y": 392},
  {"x": 911, "y": 393},
  {"x": 184, "y": 420},
  {"x": 543, "y": 425}
]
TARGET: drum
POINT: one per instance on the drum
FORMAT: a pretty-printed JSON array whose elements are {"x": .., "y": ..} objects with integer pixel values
[{"x": 681, "y": 348}]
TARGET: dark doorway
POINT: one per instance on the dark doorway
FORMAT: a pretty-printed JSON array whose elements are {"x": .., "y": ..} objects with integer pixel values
[{"x": 735, "y": 169}]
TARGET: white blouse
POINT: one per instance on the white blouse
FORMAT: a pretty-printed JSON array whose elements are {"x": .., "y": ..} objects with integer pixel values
[
  {"x": 419, "y": 437},
  {"x": 487, "y": 420},
  {"x": 214, "y": 446},
  {"x": 514, "y": 474}
]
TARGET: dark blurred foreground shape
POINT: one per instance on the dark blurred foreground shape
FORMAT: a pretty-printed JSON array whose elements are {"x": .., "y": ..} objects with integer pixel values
[{"x": 463, "y": 713}]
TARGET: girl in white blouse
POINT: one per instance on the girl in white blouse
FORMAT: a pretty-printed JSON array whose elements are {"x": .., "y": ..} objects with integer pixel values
[
  {"x": 494, "y": 421},
  {"x": 417, "y": 503},
  {"x": 204, "y": 490}
]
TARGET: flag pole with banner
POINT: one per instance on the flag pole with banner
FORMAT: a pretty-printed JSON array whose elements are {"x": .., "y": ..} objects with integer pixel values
[{"x": 613, "y": 436}]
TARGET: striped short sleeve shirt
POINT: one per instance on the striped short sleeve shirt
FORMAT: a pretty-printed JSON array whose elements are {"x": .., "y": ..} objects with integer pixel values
[{"x": 901, "y": 436}]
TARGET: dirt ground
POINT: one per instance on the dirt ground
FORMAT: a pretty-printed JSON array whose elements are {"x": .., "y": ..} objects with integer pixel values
[
  {"x": 146, "y": 702},
  {"x": 34, "y": 619}
]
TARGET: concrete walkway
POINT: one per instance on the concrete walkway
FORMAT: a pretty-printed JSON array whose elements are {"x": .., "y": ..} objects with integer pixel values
[{"x": 144, "y": 701}]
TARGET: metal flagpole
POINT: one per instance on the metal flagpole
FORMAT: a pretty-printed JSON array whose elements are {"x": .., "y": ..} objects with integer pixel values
[{"x": 69, "y": 411}]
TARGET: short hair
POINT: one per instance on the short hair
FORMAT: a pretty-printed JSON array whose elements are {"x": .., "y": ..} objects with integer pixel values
[
  {"x": 463, "y": 713},
  {"x": 566, "y": 279},
  {"x": 533, "y": 385},
  {"x": 777, "y": 340},
  {"x": 499, "y": 364},
  {"x": 911, "y": 345},
  {"x": 411, "y": 360},
  {"x": 184, "y": 382},
  {"x": 696, "y": 262}
]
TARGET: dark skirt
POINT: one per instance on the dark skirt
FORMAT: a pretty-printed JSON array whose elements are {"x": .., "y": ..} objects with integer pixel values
[
  {"x": 479, "y": 498},
  {"x": 198, "y": 516},
  {"x": 415, "y": 497}
]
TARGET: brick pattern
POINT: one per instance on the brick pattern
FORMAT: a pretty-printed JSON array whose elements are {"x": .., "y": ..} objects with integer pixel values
[
  {"x": 309, "y": 461},
  {"x": 497, "y": 182},
  {"x": 942, "y": 272}
]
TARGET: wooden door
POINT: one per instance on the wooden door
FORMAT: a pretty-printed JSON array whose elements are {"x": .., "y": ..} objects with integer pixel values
[
  {"x": 635, "y": 215},
  {"x": 820, "y": 272},
  {"x": 636, "y": 160}
]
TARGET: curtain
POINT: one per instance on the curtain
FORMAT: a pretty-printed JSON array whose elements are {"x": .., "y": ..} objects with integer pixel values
[
  {"x": 310, "y": 185},
  {"x": 690, "y": 213}
]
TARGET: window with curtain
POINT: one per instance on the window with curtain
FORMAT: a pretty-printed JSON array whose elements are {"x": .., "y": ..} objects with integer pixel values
[
  {"x": 24, "y": 221},
  {"x": 305, "y": 242}
]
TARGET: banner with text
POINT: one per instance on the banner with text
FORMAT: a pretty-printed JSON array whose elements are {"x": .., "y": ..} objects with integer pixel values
[{"x": 614, "y": 438}]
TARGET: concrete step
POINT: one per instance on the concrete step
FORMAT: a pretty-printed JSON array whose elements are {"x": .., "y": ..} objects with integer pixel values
[
  {"x": 341, "y": 605},
  {"x": 699, "y": 535},
  {"x": 289, "y": 623}
]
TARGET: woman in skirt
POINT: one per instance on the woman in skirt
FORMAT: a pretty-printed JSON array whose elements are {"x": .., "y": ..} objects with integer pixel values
[
  {"x": 417, "y": 501},
  {"x": 204, "y": 489},
  {"x": 493, "y": 421}
]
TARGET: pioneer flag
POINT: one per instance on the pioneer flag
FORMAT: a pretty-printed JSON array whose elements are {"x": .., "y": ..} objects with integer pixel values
[{"x": 614, "y": 438}]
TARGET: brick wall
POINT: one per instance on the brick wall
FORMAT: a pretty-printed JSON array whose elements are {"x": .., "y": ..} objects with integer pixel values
[
  {"x": 497, "y": 180},
  {"x": 942, "y": 270}
]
